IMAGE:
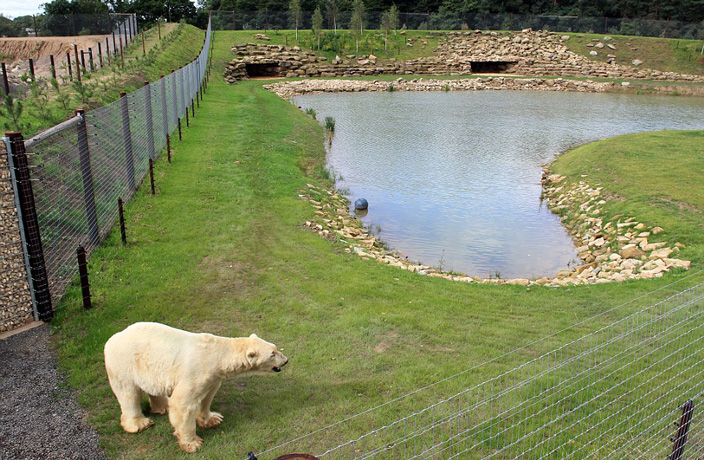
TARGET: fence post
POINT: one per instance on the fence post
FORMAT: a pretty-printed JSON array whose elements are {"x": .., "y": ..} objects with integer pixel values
[
  {"x": 121, "y": 213},
  {"x": 5, "y": 81},
  {"x": 83, "y": 62},
  {"x": 87, "y": 174},
  {"x": 38, "y": 279},
  {"x": 149, "y": 120},
  {"x": 53, "y": 66},
  {"x": 31, "y": 69},
  {"x": 70, "y": 69},
  {"x": 100, "y": 55},
  {"x": 151, "y": 175},
  {"x": 683, "y": 427},
  {"x": 165, "y": 117},
  {"x": 127, "y": 139},
  {"x": 83, "y": 272},
  {"x": 78, "y": 65},
  {"x": 90, "y": 59}
]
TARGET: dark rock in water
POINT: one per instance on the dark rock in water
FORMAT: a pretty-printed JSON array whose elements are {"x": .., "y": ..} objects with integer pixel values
[{"x": 361, "y": 203}]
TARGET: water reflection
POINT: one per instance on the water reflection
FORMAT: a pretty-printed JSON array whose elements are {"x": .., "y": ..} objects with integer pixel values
[{"x": 453, "y": 179}]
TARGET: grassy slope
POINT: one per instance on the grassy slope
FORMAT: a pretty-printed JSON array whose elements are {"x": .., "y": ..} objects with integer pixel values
[
  {"x": 220, "y": 248},
  {"x": 682, "y": 56},
  {"x": 656, "y": 176}
]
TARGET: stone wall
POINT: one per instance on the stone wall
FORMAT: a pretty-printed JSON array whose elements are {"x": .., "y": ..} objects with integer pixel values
[
  {"x": 15, "y": 299},
  {"x": 528, "y": 53}
]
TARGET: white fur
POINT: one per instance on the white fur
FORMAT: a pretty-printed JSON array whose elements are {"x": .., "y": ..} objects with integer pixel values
[{"x": 181, "y": 372}]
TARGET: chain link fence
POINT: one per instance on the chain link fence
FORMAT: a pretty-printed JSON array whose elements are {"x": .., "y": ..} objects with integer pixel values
[{"x": 81, "y": 168}]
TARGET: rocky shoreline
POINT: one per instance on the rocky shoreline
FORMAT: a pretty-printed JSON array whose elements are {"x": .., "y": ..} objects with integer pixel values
[{"x": 610, "y": 250}]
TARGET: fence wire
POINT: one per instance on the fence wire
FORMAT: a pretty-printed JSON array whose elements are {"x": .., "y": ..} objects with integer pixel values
[
  {"x": 612, "y": 393},
  {"x": 82, "y": 167}
]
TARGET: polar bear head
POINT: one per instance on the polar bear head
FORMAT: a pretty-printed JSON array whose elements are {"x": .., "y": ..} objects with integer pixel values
[{"x": 264, "y": 357}]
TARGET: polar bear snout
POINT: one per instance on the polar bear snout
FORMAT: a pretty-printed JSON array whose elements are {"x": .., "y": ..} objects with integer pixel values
[{"x": 278, "y": 368}]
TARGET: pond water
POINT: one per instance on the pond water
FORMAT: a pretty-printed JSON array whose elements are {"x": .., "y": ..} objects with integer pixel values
[{"x": 453, "y": 178}]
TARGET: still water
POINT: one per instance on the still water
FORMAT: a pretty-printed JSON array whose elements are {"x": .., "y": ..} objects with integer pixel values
[{"x": 453, "y": 179}]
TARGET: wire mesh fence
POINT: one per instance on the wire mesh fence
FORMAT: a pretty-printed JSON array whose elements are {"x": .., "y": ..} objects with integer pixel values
[
  {"x": 614, "y": 392},
  {"x": 82, "y": 167}
]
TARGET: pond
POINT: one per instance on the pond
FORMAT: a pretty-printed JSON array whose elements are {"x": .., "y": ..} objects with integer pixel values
[{"x": 453, "y": 178}]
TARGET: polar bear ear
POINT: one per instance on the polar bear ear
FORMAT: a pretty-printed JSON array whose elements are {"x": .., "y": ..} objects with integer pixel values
[
  {"x": 251, "y": 355},
  {"x": 253, "y": 336}
]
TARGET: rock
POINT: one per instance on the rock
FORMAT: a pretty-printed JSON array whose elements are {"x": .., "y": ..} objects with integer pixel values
[
  {"x": 637, "y": 62},
  {"x": 656, "y": 230},
  {"x": 599, "y": 45},
  {"x": 564, "y": 38},
  {"x": 565, "y": 273},
  {"x": 660, "y": 253},
  {"x": 519, "y": 282},
  {"x": 625, "y": 83},
  {"x": 593, "y": 53}
]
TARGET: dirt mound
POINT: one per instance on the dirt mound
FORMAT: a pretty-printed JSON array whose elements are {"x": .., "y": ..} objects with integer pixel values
[{"x": 14, "y": 49}]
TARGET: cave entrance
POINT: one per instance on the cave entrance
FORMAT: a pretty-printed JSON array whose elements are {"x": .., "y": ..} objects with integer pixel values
[
  {"x": 263, "y": 70},
  {"x": 492, "y": 66}
]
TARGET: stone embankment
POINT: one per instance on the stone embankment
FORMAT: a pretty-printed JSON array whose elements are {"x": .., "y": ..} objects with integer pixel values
[
  {"x": 526, "y": 53},
  {"x": 612, "y": 250}
]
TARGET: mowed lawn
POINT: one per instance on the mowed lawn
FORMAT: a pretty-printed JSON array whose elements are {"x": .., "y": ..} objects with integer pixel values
[{"x": 221, "y": 248}]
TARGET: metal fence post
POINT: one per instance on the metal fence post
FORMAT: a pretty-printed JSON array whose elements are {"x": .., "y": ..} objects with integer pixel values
[
  {"x": 38, "y": 278},
  {"x": 83, "y": 273},
  {"x": 53, "y": 66},
  {"x": 165, "y": 117},
  {"x": 680, "y": 439},
  {"x": 127, "y": 139},
  {"x": 87, "y": 175},
  {"x": 149, "y": 120},
  {"x": 68, "y": 63},
  {"x": 5, "y": 81},
  {"x": 78, "y": 63}
]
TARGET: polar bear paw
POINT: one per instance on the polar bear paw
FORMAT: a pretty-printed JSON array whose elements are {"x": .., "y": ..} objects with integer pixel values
[
  {"x": 190, "y": 446},
  {"x": 135, "y": 425},
  {"x": 211, "y": 420}
]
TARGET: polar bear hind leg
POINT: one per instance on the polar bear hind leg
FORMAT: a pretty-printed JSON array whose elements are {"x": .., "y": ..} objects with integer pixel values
[{"x": 158, "y": 404}]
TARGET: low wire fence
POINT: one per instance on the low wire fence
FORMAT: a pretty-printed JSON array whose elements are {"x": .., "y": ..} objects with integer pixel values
[
  {"x": 265, "y": 19},
  {"x": 630, "y": 389},
  {"x": 72, "y": 178}
]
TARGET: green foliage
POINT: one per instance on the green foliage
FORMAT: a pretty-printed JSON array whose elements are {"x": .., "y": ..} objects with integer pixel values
[
  {"x": 329, "y": 125},
  {"x": 11, "y": 110}
]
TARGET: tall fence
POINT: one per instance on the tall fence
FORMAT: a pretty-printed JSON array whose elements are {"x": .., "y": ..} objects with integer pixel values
[
  {"x": 632, "y": 388},
  {"x": 119, "y": 31},
  {"x": 78, "y": 171},
  {"x": 265, "y": 19}
]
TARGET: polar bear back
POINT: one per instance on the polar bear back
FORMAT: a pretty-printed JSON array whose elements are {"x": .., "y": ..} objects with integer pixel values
[{"x": 155, "y": 357}]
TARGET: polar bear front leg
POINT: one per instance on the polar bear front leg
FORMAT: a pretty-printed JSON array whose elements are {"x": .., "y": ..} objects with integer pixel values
[
  {"x": 206, "y": 418},
  {"x": 129, "y": 396},
  {"x": 182, "y": 415}
]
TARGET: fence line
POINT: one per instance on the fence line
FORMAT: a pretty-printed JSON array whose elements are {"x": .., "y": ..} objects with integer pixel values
[
  {"x": 614, "y": 392},
  {"x": 74, "y": 64},
  {"x": 82, "y": 167}
]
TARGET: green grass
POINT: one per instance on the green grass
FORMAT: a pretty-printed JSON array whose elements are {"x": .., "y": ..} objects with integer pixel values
[
  {"x": 655, "y": 176},
  {"x": 670, "y": 55},
  {"x": 221, "y": 248}
]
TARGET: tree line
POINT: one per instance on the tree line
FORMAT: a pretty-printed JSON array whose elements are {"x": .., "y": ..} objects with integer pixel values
[{"x": 281, "y": 13}]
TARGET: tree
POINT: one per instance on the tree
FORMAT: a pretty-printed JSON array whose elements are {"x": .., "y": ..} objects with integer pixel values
[
  {"x": 8, "y": 28},
  {"x": 358, "y": 16},
  {"x": 332, "y": 7},
  {"x": 317, "y": 21},
  {"x": 295, "y": 9}
]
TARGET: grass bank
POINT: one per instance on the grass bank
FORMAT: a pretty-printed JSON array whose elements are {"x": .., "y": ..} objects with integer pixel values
[{"x": 221, "y": 248}]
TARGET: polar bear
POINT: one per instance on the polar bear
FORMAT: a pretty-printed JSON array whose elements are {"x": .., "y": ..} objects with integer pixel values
[{"x": 181, "y": 372}]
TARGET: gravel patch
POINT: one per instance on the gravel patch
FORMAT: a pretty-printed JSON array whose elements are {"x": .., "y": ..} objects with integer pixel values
[{"x": 40, "y": 419}]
